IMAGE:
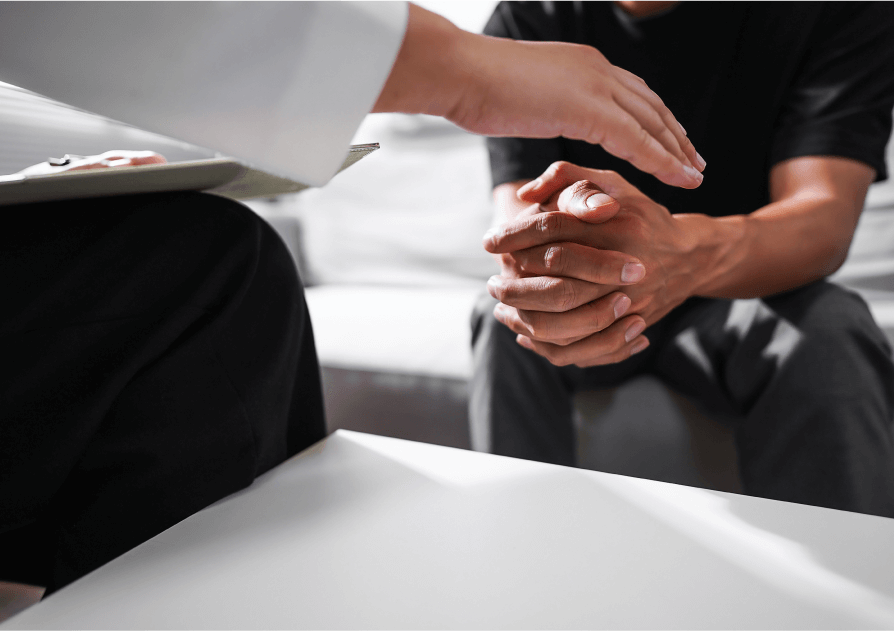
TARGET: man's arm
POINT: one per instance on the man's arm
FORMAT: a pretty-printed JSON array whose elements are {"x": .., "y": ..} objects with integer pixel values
[
  {"x": 498, "y": 87},
  {"x": 801, "y": 236}
]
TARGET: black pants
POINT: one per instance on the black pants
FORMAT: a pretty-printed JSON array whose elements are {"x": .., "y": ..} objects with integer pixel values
[
  {"x": 808, "y": 372},
  {"x": 156, "y": 356}
]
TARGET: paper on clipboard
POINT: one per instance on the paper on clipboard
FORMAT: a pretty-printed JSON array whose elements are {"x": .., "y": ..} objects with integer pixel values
[{"x": 226, "y": 177}]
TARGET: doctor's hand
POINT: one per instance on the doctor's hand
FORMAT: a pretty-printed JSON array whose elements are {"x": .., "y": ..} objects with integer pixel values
[
  {"x": 500, "y": 87},
  {"x": 582, "y": 282},
  {"x": 115, "y": 158}
]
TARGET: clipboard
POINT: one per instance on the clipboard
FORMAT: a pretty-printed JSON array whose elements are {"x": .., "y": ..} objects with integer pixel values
[{"x": 226, "y": 177}]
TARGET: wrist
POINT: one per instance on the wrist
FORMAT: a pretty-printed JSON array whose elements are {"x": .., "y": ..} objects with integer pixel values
[
  {"x": 716, "y": 244},
  {"x": 425, "y": 78}
]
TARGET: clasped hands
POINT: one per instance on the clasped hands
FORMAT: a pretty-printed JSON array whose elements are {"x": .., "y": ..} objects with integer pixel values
[{"x": 588, "y": 266}]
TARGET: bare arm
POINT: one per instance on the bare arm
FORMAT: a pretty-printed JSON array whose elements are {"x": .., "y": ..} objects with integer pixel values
[
  {"x": 501, "y": 87},
  {"x": 802, "y": 236}
]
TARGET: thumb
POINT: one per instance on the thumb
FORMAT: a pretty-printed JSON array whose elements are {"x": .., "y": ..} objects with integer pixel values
[
  {"x": 554, "y": 179},
  {"x": 588, "y": 202}
]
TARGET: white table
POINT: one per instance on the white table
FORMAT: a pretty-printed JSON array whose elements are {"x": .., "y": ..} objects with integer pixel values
[{"x": 368, "y": 532}]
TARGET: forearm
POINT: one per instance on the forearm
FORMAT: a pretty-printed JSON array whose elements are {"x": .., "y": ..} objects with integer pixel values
[
  {"x": 801, "y": 236},
  {"x": 427, "y": 74},
  {"x": 782, "y": 246}
]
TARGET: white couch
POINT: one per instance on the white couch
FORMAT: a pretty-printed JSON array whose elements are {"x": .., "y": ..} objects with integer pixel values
[{"x": 392, "y": 252}]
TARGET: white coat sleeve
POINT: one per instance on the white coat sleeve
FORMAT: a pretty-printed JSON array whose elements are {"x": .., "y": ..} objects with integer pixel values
[{"x": 281, "y": 85}]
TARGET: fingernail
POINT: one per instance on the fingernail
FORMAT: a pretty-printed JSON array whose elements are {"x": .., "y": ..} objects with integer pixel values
[
  {"x": 622, "y": 304},
  {"x": 632, "y": 272},
  {"x": 693, "y": 174},
  {"x": 682, "y": 129},
  {"x": 598, "y": 199},
  {"x": 701, "y": 161},
  {"x": 521, "y": 340},
  {"x": 635, "y": 329},
  {"x": 641, "y": 345},
  {"x": 493, "y": 281}
]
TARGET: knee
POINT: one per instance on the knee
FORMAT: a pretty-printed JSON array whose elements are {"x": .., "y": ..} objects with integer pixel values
[
  {"x": 838, "y": 329},
  {"x": 208, "y": 245},
  {"x": 835, "y": 343},
  {"x": 220, "y": 228}
]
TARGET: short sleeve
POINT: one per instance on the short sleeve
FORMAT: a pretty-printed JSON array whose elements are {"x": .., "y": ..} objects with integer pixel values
[
  {"x": 841, "y": 101},
  {"x": 514, "y": 159}
]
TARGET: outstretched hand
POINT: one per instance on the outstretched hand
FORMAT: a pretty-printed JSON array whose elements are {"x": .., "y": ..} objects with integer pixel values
[
  {"x": 501, "y": 87},
  {"x": 544, "y": 90}
]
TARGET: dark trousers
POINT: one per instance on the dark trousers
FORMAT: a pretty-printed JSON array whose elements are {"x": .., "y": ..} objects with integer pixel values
[
  {"x": 808, "y": 373},
  {"x": 156, "y": 356}
]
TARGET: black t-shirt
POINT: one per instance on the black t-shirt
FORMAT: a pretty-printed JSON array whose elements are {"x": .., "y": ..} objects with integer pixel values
[{"x": 753, "y": 84}]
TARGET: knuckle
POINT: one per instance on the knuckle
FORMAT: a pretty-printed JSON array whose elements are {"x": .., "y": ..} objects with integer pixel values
[
  {"x": 546, "y": 350},
  {"x": 602, "y": 317},
  {"x": 587, "y": 361},
  {"x": 567, "y": 295},
  {"x": 643, "y": 137},
  {"x": 514, "y": 326},
  {"x": 558, "y": 168},
  {"x": 548, "y": 224},
  {"x": 582, "y": 185},
  {"x": 532, "y": 322},
  {"x": 635, "y": 228},
  {"x": 548, "y": 287},
  {"x": 582, "y": 188},
  {"x": 559, "y": 359},
  {"x": 611, "y": 177},
  {"x": 610, "y": 358},
  {"x": 510, "y": 263},
  {"x": 595, "y": 54},
  {"x": 501, "y": 292},
  {"x": 542, "y": 225},
  {"x": 554, "y": 258},
  {"x": 557, "y": 356}
]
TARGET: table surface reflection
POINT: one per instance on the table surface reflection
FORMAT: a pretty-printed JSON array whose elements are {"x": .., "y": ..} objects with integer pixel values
[{"x": 362, "y": 531}]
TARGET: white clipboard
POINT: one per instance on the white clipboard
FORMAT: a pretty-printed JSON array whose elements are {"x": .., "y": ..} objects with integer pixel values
[{"x": 226, "y": 177}]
